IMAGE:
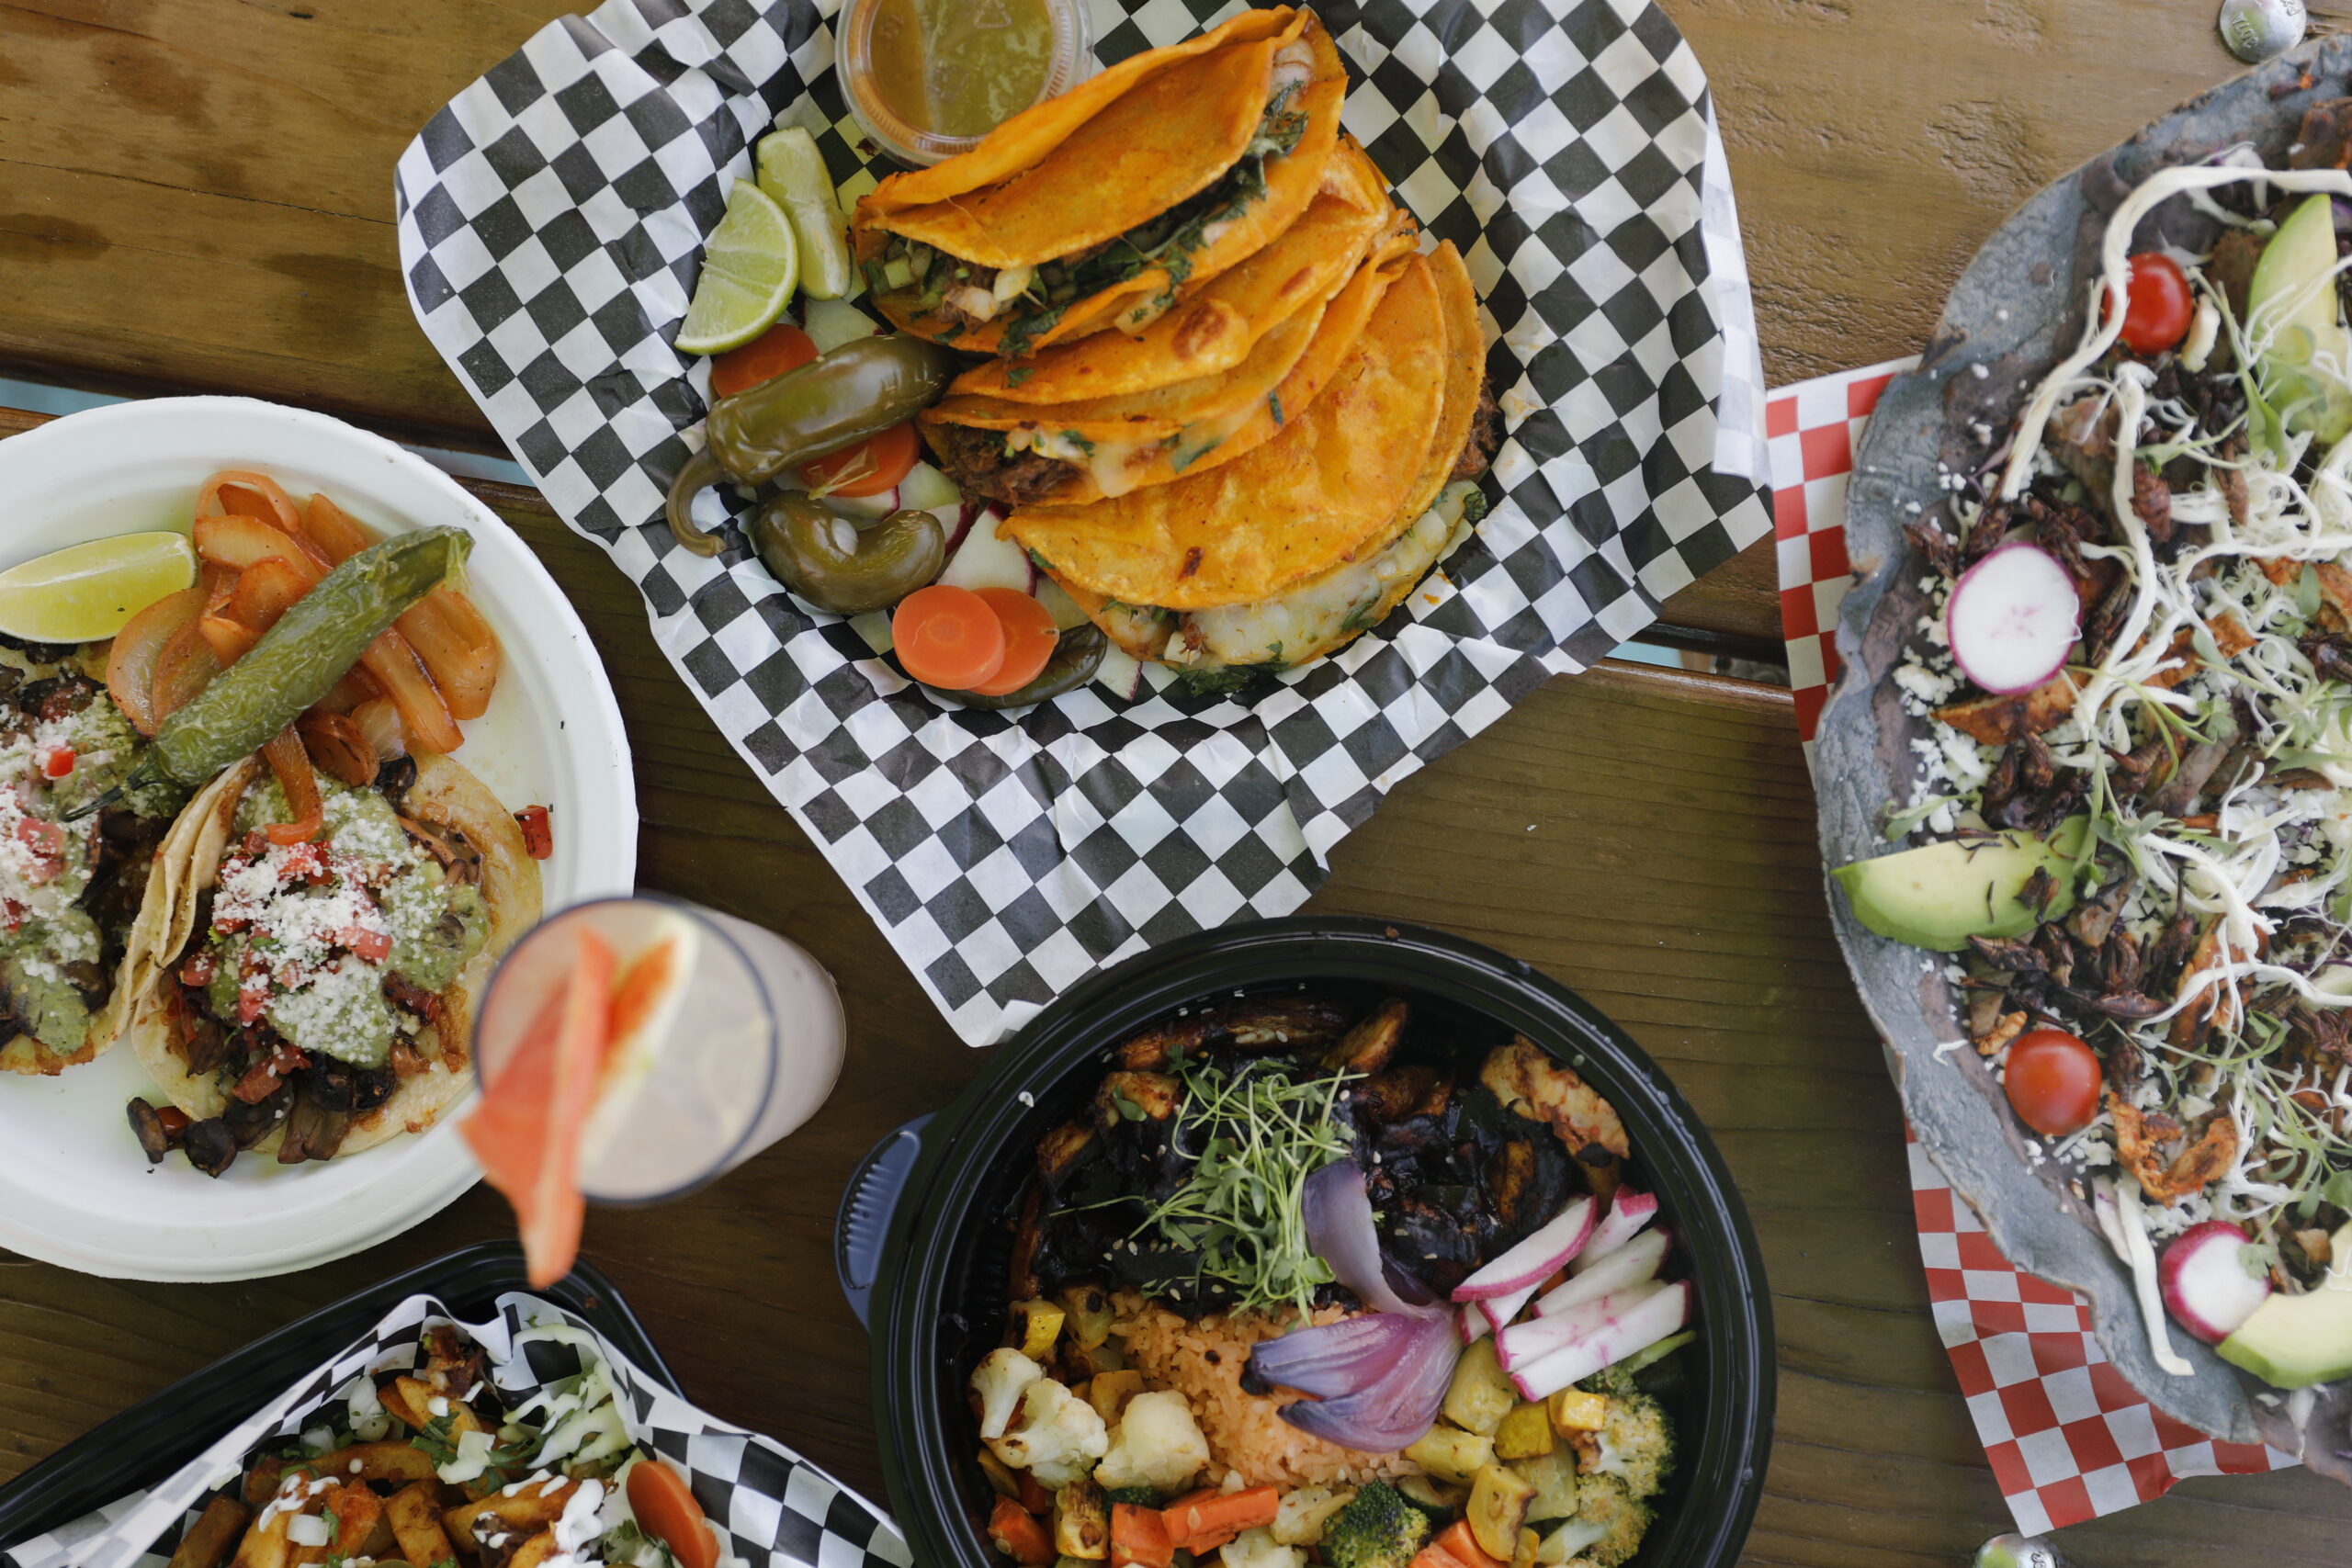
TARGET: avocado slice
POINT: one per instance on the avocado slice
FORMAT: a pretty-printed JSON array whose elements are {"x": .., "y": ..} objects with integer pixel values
[
  {"x": 2294, "y": 298},
  {"x": 1938, "y": 895},
  {"x": 2293, "y": 1341}
]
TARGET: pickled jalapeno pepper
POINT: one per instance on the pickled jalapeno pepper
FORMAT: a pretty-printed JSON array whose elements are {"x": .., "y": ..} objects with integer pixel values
[
  {"x": 1076, "y": 658},
  {"x": 858, "y": 391},
  {"x": 842, "y": 566}
]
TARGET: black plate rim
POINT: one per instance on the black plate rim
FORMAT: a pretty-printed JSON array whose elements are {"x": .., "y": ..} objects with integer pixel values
[{"x": 147, "y": 1443}]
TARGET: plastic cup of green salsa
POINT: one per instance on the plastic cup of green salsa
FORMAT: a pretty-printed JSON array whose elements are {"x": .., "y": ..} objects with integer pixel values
[{"x": 927, "y": 79}]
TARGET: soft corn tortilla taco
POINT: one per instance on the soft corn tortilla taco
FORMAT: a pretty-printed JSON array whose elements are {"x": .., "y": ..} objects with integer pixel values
[
  {"x": 434, "y": 883},
  {"x": 1321, "y": 612},
  {"x": 1076, "y": 453},
  {"x": 1215, "y": 330},
  {"x": 1295, "y": 505},
  {"x": 72, "y": 889},
  {"x": 1166, "y": 186}
]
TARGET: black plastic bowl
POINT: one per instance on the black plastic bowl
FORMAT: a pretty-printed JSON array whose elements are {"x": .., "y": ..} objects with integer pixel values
[{"x": 940, "y": 1290}]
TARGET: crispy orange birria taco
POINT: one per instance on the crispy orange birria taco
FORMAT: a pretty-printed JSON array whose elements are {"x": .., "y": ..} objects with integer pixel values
[
  {"x": 1104, "y": 207},
  {"x": 316, "y": 998}
]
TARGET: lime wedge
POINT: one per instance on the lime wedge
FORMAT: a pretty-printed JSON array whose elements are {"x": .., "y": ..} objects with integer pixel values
[
  {"x": 792, "y": 172},
  {"x": 748, "y": 269},
  {"x": 86, "y": 593}
]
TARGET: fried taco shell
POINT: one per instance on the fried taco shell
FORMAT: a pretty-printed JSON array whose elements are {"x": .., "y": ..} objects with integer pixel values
[
  {"x": 1082, "y": 198},
  {"x": 1110, "y": 447},
  {"x": 1330, "y": 481},
  {"x": 445, "y": 796},
  {"x": 1215, "y": 330}
]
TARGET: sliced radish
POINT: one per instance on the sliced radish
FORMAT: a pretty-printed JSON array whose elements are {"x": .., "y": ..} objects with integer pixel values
[
  {"x": 1627, "y": 1214},
  {"x": 1662, "y": 1313},
  {"x": 1531, "y": 1261},
  {"x": 2013, "y": 617},
  {"x": 984, "y": 560},
  {"x": 1499, "y": 1310},
  {"x": 1638, "y": 1260},
  {"x": 1122, "y": 674},
  {"x": 1473, "y": 1324},
  {"x": 871, "y": 506},
  {"x": 925, "y": 488},
  {"x": 2206, "y": 1286},
  {"x": 1522, "y": 1344}
]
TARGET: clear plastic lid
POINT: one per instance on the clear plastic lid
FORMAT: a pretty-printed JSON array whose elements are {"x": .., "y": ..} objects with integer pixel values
[{"x": 905, "y": 65}]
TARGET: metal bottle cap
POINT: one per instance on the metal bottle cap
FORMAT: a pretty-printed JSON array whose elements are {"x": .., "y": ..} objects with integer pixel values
[
  {"x": 2256, "y": 30},
  {"x": 2017, "y": 1552}
]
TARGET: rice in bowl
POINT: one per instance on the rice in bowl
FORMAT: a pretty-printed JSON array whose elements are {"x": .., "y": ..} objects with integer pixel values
[{"x": 1203, "y": 1359}]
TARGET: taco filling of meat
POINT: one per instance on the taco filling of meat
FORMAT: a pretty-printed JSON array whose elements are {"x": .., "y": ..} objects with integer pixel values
[
  {"x": 324, "y": 987},
  {"x": 69, "y": 889}
]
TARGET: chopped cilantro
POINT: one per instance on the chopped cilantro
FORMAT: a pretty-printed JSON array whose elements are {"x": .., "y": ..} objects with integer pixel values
[
  {"x": 1274, "y": 403},
  {"x": 1217, "y": 682},
  {"x": 1017, "y": 374},
  {"x": 436, "y": 1441},
  {"x": 1041, "y": 563},
  {"x": 1080, "y": 442}
]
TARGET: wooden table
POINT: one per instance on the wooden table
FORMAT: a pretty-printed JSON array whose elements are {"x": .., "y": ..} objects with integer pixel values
[{"x": 195, "y": 195}]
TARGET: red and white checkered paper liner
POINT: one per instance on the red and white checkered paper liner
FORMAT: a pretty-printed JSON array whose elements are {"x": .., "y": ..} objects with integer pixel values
[{"x": 2068, "y": 1438}]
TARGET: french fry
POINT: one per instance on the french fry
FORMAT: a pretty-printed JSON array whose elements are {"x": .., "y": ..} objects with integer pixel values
[
  {"x": 261, "y": 1481},
  {"x": 396, "y": 1397},
  {"x": 396, "y": 1461},
  {"x": 265, "y": 1545},
  {"x": 415, "y": 1516},
  {"x": 534, "y": 1551},
  {"x": 527, "y": 1510},
  {"x": 357, "y": 1512},
  {"x": 215, "y": 1531},
  {"x": 412, "y": 1399}
]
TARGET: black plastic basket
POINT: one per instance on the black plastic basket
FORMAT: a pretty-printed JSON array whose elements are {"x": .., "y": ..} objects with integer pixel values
[{"x": 153, "y": 1438}]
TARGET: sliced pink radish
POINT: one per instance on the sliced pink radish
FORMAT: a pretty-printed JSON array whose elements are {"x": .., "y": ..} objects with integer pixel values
[
  {"x": 1627, "y": 1214},
  {"x": 1654, "y": 1317},
  {"x": 2206, "y": 1286},
  {"x": 2013, "y": 618},
  {"x": 1530, "y": 1263},
  {"x": 1522, "y": 1344},
  {"x": 984, "y": 560},
  {"x": 1499, "y": 1310},
  {"x": 1638, "y": 1260},
  {"x": 1473, "y": 1324}
]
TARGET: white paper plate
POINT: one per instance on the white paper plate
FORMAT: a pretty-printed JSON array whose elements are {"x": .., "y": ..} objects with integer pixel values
[{"x": 74, "y": 1189}]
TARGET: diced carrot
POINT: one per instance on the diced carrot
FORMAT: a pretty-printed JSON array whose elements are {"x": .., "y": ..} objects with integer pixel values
[
  {"x": 1034, "y": 1495},
  {"x": 1197, "y": 1523},
  {"x": 1435, "y": 1556},
  {"x": 1020, "y": 1535},
  {"x": 1139, "y": 1537},
  {"x": 1457, "y": 1542}
]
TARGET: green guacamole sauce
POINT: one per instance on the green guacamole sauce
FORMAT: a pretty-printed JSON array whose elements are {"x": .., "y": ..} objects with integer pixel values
[
  {"x": 345, "y": 1014},
  {"x": 55, "y": 930}
]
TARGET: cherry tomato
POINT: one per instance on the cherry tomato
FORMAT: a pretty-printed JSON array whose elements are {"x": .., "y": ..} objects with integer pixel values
[
  {"x": 780, "y": 348},
  {"x": 668, "y": 1512},
  {"x": 2054, "y": 1081},
  {"x": 2157, "y": 306},
  {"x": 869, "y": 468}
]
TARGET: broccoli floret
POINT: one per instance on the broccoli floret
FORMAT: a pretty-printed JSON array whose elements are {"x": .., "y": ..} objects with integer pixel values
[
  {"x": 1378, "y": 1529},
  {"x": 1137, "y": 1496},
  {"x": 1607, "y": 1529},
  {"x": 1636, "y": 1444}
]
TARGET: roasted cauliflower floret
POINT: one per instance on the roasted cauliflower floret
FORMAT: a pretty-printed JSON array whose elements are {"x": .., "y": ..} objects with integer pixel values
[
  {"x": 1259, "y": 1549},
  {"x": 1540, "y": 1090},
  {"x": 1001, "y": 1379},
  {"x": 1608, "y": 1527},
  {"x": 1634, "y": 1444},
  {"x": 1158, "y": 1445},
  {"x": 1058, "y": 1437}
]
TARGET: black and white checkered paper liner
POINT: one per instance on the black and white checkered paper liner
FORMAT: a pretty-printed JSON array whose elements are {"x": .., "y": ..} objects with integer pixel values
[
  {"x": 777, "y": 1510},
  {"x": 550, "y": 227}
]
